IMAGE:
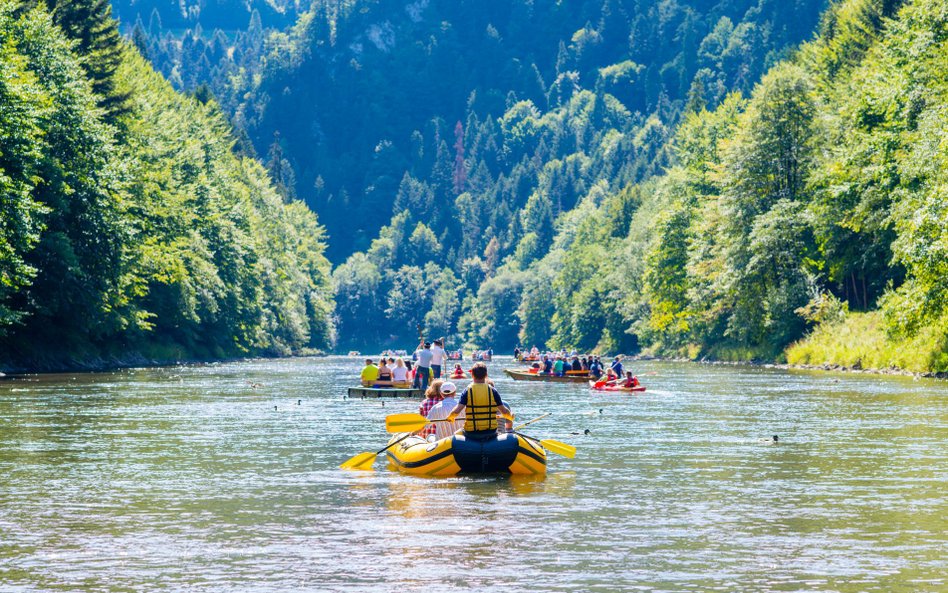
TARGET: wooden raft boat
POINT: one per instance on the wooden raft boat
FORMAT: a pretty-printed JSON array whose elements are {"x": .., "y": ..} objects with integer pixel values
[
  {"x": 525, "y": 376},
  {"x": 364, "y": 392}
]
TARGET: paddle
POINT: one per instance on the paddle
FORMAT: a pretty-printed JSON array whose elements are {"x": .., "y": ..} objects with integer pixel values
[
  {"x": 558, "y": 447},
  {"x": 364, "y": 461},
  {"x": 406, "y": 422},
  {"x": 529, "y": 422}
]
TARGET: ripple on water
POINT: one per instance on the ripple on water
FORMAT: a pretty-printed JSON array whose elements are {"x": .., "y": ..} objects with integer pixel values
[{"x": 223, "y": 478}]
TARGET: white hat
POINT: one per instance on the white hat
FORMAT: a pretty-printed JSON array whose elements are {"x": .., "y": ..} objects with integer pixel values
[{"x": 448, "y": 388}]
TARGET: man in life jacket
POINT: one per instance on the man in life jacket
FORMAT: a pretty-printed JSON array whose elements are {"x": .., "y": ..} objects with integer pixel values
[{"x": 481, "y": 403}]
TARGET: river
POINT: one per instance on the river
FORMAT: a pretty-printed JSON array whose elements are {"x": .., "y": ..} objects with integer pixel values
[{"x": 190, "y": 478}]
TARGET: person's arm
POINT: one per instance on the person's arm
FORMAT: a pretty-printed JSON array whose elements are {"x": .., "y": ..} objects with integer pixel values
[
  {"x": 503, "y": 408},
  {"x": 462, "y": 403},
  {"x": 455, "y": 411}
]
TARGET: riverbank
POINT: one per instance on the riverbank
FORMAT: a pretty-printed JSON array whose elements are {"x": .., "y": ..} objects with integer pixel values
[
  {"x": 858, "y": 343},
  {"x": 132, "y": 360},
  {"x": 828, "y": 367}
]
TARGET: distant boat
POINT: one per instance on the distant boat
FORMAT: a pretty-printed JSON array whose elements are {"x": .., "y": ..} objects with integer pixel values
[
  {"x": 394, "y": 353},
  {"x": 355, "y": 353},
  {"x": 578, "y": 377}
]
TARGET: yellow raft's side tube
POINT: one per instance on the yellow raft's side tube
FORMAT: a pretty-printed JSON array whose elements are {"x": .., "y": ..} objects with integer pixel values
[{"x": 508, "y": 453}]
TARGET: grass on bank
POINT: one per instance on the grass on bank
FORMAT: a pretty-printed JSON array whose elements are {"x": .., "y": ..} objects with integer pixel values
[{"x": 860, "y": 341}]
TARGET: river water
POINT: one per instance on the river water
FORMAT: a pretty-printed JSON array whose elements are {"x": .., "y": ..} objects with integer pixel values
[{"x": 189, "y": 478}]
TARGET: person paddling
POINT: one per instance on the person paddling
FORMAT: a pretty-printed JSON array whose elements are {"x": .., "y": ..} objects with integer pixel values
[
  {"x": 630, "y": 380},
  {"x": 608, "y": 379},
  {"x": 481, "y": 403}
]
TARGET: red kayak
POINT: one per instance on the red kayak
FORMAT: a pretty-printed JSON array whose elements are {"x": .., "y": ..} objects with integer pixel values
[{"x": 597, "y": 387}]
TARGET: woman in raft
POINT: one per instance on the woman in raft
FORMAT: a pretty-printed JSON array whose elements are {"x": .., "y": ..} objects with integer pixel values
[
  {"x": 432, "y": 397},
  {"x": 400, "y": 374},
  {"x": 385, "y": 375},
  {"x": 610, "y": 378},
  {"x": 458, "y": 372}
]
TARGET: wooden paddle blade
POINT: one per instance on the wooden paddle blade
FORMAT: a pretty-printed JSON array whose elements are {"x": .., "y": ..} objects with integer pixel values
[
  {"x": 560, "y": 448},
  {"x": 405, "y": 422},
  {"x": 362, "y": 461}
]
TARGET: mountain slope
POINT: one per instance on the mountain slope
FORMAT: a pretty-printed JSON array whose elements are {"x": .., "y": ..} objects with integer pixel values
[
  {"x": 812, "y": 202},
  {"x": 357, "y": 97},
  {"x": 136, "y": 231}
]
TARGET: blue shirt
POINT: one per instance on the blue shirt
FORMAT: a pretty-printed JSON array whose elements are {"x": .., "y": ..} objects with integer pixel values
[{"x": 424, "y": 357}]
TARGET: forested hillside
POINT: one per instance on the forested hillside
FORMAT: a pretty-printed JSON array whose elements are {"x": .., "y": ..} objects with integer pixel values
[
  {"x": 816, "y": 201},
  {"x": 358, "y": 96},
  {"x": 205, "y": 43},
  {"x": 129, "y": 226},
  {"x": 440, "y": 139},
  {"x": 812, "y": 201},
  {"x": 603, "y": 175}
]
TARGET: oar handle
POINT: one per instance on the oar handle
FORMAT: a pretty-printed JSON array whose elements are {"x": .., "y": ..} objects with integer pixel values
[
  {"x": 529, "y": 422},
  {"x": 390, "y": 445}
]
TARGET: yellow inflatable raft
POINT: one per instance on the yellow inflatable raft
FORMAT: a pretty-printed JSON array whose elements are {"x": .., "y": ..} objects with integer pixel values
[{"x": 505, "y": 453}]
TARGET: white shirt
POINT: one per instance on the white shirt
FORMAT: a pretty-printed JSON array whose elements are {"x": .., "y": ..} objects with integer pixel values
[
  {"x": 440, "y": 411},
  {"x": 437, "y": 355},
  {"x": 400, "y": 374}
]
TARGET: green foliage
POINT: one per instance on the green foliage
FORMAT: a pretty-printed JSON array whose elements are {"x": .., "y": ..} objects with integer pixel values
[
  {"x": 592, "y": 177},
  {"x": 157, "y": 238},
  {"x": 820, "y": 194},
  {"x": 90, "y": 23},
  {"x": 861, "y": 341},
  {"x": 22, "y": 151}
]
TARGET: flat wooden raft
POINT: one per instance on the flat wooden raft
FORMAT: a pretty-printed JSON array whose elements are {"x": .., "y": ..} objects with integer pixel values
[
  {"x": 364, "y": 392},
  {"x": 523, "y": 376}
]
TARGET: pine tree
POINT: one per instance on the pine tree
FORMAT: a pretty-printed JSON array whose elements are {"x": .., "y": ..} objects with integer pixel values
[
  {"x": 90, "y": 23},
  {"x": 460, "y": 169}
]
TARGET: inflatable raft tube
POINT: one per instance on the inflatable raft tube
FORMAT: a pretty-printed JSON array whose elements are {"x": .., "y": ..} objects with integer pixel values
[{"x": 505, "y": 453}]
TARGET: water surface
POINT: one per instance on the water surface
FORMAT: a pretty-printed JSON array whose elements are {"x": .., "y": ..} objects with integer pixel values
[{"x": 189, "y": 478}]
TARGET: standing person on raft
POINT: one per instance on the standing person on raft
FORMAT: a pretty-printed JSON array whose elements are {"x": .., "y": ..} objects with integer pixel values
[
  {"x": 424, "y": 365},
  {"x": 438, "y": 356},
  {"x": 481, "y": 403}
]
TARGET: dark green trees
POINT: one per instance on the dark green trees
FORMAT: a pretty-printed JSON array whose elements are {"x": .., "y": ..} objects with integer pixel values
[{"x": 129, "y": 225}]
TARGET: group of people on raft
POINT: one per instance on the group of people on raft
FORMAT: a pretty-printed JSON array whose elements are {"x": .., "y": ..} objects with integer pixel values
[
  {"x": 404, "y": 374},
  {"x": 592, "y": 366},
  {"x": 475, "y": 412}
]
